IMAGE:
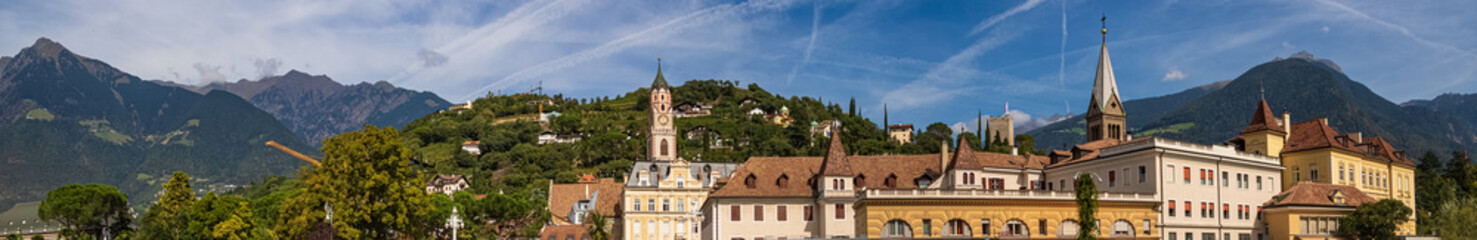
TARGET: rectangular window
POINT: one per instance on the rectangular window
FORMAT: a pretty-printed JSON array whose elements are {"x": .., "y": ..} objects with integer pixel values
[
  {"x": 1225, "y": 179},
  {"x": 1147, "y": 227},
  {"x": 927, "y": 227},
  {"x": 808, "y": 214},
  {"x": 780, "y": 213},
  {"x": 1041, "y": 224},
  {"x": 1171, "y": 208},
  {"x": 1226, "y": 211},
  {"x": 1143, "y": 173},
  {"x": 758, "y": 212},
  {"x": 1187, "y": 208},
  {"x": 1313, "y": 173},
  {"x": 1172, "y": 236},
  {"x": 1187, "y": 175},
  {"x": 1207, "y": 236},
  {"x": 1112, "y": 178},
  {"x": 1189, "y": 236},
  {"x": 1258, "y": 182},
  {"x": 840, "y": 211},
  {"x": 733, "y": 213},
  {"x": 985, "y": 227},
  {"x": 1210, "y": 180}
]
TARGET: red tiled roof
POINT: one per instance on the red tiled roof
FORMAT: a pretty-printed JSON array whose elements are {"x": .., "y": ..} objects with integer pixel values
[
  {"x": 1315, "y": 134},
  {"x": 836, "y": 164},
  {"x": 1090, "y": 150},
  {"x": 873, "y": 171},
  {"x": 564, "y": 196},
  {"x": 1318, "y": 194},
  {"x": 964, "y": 157},
  {"x": 900, "y": 126},
  {"x": 1263, "y": 120},
  {"x": 559, "y": 231}
]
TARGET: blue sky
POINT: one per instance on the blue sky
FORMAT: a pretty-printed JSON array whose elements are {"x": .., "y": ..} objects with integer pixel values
[{"x": 929, "y": 61}]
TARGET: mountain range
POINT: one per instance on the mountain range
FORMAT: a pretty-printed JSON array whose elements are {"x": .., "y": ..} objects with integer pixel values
[
  {"x": 316, "y": 107},
  {"x": 66, "y": 118},
  {"x": 1302, "y": 85}
]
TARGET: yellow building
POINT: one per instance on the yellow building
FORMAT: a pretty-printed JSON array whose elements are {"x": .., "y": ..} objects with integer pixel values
[
  {"x": 661, "y": 195},
  {"x": 1311, "y": 210},
  {"x": 974, "y": 213},
  {"x": 1313, "y": 152}
]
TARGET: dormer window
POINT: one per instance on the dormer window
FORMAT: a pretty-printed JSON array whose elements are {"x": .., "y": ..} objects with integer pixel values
[
  {"x": 891, "y": 181},
  {"x": 859, "y": 181},
  {"x": 1338, "y": 198},
  {"x": 783, "y": 181},
  {"x": 922, "y": 181},
  {"x": 749, "y": 181}
]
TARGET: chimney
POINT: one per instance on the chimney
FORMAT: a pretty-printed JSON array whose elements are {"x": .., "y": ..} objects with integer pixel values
[
  {"x": 944, "y": 155},
  {"x": 1356, "y": 137},
  {"x": 1323, "y": 120},
  {"x": 587, "y": 191},
  {"x": 1287, "y": 123},
  {"x": 1014, "y": 150}
]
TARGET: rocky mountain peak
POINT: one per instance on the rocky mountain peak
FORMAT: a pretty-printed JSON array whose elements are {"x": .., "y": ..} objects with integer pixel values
[{"x": 44, "y": 47}]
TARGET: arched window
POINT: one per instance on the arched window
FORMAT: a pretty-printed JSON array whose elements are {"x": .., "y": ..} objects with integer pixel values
[
  {"x": 897, "y": 228},
  {"x": 1015, "y": 228},
  {"x": 1068, "y": 229},
  {"x": 749, "y": 181},
  {"x": 957, "y": 228},
  {"x": 1122, "y": 228},
  {"x": 664, "y": 147}
]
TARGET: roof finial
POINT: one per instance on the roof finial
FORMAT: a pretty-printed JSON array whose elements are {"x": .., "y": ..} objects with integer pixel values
[{"x": 1105, "y": 27}]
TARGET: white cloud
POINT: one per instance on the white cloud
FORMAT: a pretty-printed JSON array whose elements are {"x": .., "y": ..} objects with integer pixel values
[
  {"x": 1173, "y": 75},
  {"x": 430, "y": 59},
  {"x": 1005, "y": 15},
  {"x": 209, "y": 73},
  {"x": 1288, "y": 45},
  {"x": 1325, "y": 29},
  {"x": 267, "y": 67}
]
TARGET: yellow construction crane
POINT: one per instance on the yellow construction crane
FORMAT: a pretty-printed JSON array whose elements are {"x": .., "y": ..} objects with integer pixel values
[{"x": 289, "y": 151}]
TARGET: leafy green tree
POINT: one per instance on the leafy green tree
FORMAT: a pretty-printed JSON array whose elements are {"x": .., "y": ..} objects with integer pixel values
[
  {"x": 851, "y": 107},
  {"x": 934, "y": 135},
  {"x": 169, "y": 217},
  {"x": 1461, "y": 171},
  {"x": 1376, "y": 220},
  {"x": 37, "y": 237},
  {"x": 13, "y": 237},
  {"x": 366, "y": 179},
  {"x": 238, "y": 226},
  {"x": 1086, "y": 207},
  {"x": 597, "y": 223},
  {"x": 1454, "y": 220},
  {"x": 86, "y": 210},
  {"x": 1432, "y": 191}
]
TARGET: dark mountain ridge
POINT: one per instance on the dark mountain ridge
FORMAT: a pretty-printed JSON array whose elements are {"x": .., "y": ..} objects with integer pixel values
[
  {"x": 316, "y": 107},
  {"x": 1304, "y": 86},
  {"x": 65, "y": 118}
]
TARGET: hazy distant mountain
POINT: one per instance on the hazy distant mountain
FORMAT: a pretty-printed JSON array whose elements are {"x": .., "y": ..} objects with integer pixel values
[
  {"x": 316, "y": 107},
  {"x": 1305, "y": 86},
  {"x": 1067, "y": 132},
  {"x": 1462, "y": 107},
  {"x": 65, "y": 119}
]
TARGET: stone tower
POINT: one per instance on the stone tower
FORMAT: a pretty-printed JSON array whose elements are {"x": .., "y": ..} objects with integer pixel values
[
  {"x": 1265, "y": 134},
  {"x": 1105, "y": 116},
  {"x": 662, "y": 144},
  {"x": 1002, "y": 127}
]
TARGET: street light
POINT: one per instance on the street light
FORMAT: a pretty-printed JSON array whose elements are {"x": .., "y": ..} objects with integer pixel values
[{"x": 454, "y": 222}]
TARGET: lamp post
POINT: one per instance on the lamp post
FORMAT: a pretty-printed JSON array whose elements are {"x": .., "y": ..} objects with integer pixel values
[{"x": 454, "y": 222}]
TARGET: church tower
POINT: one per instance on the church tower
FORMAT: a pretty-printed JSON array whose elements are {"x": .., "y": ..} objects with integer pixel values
[
  {"x": 1105, "y": 116},
  {"x": 1264, "y": 135},
  {"x": 662, "y": 144}
]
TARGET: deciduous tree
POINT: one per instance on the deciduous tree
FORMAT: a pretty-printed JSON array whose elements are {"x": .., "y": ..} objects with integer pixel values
[
  {"x": 366, "y": 179},
  {"x": 1086, "y": 207},
  {"x": 86, "y": 209},
  {"x": 169, "y": 217},
  {"x": 1377, "y": 220}
]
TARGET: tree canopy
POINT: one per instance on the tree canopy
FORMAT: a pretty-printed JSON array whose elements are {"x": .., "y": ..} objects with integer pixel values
[
  {"x": 366, "y": 179},
  {"x": 1376, "y": 220},
  {"x": 87, "y": 209},
  {"x": 1086, "y": 207}
]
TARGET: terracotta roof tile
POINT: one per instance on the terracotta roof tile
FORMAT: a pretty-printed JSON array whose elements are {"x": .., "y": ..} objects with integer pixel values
[
  {"x": 873, "y": 170},
  {"x": 1089, "y": 151},
  {"x": 563, "y": 196},
  {"x": 964, "y": 157},
  {"x": 1318, "y": 194},
  {"x": 559, "y": 231},
  {"x": 1263, "y": 120},
  {"x": 1315, "y": 134},
  {"x": 836, "y": 164}
]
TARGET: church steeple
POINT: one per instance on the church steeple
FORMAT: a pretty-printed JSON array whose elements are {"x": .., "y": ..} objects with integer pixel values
[
  {"x": 660, "y": 82},
  {"x": 662, "y": 142},
  {"x": 1105, "y": 116}
]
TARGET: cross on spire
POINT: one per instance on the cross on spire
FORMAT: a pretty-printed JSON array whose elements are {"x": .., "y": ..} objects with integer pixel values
[{"x": 1105, "y": 27}]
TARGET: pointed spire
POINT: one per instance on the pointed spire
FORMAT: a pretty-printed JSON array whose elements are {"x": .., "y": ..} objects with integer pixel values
[
  {"x": 964, "y": 157},
  {"x": 1105, "y": 86},
  {"x": 660, "y": 82},
  {"x": 835, "y": 163},
  {"x": 1263, "y": 120}
]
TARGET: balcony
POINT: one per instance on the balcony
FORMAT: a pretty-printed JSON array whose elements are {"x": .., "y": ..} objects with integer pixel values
[{"x": 996, "y": 194}]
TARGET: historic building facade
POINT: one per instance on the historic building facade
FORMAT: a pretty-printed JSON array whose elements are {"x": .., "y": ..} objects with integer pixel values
[{"x": 661, "y": 195}]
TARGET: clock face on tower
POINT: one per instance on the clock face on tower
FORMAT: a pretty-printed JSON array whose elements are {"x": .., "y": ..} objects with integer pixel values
[{"x": 662, "y": 119}]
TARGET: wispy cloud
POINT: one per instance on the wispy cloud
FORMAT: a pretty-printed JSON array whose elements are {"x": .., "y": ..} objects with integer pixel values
[
  {"x": 1004, "y": 15},
  {"x": 948, "y": 79},
  {"x": 815, "y": 29},
  {"x": 1392, "y": 26},
  {"x": 1174, "y": 74}
]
